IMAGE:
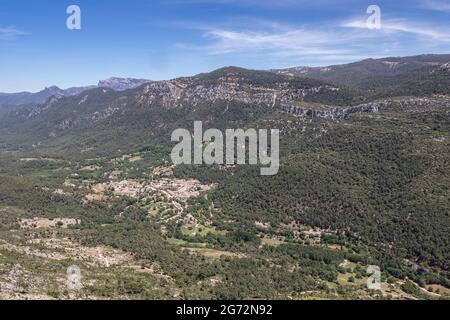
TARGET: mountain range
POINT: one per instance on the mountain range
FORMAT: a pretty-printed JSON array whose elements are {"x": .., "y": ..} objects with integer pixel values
[
  {"x": 23, "y": 98},
  {"x": 379, "y": 77}
]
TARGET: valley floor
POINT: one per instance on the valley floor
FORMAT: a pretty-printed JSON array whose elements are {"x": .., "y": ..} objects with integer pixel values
[{"x": 36, "y": 250}]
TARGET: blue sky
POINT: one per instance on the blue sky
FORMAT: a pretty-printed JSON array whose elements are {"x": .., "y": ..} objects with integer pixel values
[{"x": 163, "y": 39}]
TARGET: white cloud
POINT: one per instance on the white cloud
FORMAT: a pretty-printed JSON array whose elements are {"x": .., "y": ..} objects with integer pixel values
[
  {"x": 329, "y": 41},
  {"x": 228, "y": 40},
  {"x": 10, "y": 33},
  {"x": 401, "y": 26},
  {"x": 279, "y": 40}
]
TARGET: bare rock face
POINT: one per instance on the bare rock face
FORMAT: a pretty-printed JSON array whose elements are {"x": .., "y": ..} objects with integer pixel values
[
  {"x": 372, "y": 107},
  {"x": 35, "y": 111},
  {"x": 445, "y": 67},
  {"x": 121, "y": 84},
  {"x": 333, "y": 112},
  {"x": 231, "y": 86}
]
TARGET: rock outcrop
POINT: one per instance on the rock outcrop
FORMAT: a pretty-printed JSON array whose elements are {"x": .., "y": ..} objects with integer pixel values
[{"x": 333, "y": 112}]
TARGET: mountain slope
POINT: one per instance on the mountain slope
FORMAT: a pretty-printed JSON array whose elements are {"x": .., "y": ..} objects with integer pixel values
[
  {"x": 425, "y": 74},
  {"x": 353, "y": 73}
]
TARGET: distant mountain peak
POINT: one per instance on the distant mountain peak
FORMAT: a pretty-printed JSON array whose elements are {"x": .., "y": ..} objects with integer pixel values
[{"x": 52, "y": 88}]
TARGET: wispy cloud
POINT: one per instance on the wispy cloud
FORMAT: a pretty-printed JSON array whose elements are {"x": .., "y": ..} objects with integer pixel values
[
  {"x": 296, "y": 40},
  {"x": 10, "y": 33},
  {"x": 328, "y": 42},
  {"x": 437, "y": 5},
  {"x": 402, "y": 26},
  {"x": 334, "y": 39}
]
